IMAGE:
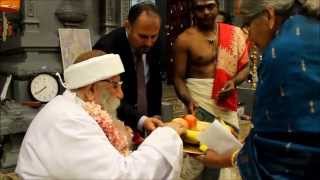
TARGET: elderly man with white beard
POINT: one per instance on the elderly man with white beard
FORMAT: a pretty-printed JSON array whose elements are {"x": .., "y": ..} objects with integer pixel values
[{"x": 73, "y": 137}]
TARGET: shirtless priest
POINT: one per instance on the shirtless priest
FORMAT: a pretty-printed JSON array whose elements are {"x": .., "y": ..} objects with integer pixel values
[{"x": 211, "y": 59}]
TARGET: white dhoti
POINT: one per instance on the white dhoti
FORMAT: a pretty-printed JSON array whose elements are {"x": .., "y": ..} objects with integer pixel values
[{"x": 201, "y": 91}]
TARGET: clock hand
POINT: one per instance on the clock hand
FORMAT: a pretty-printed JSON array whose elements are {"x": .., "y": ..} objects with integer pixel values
[{"x": 41, "y": 90}]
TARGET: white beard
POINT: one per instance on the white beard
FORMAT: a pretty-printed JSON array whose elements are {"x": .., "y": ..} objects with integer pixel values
[{"x": 110, "y": 104}]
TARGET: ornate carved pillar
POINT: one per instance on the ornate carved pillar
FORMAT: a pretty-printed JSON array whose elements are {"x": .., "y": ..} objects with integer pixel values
[
  {"x": 70, "y": 13},
  {"x": 110, "y": 15},
  {"x": 125, "y": 6},
  {"x": 31, "y": 22}
]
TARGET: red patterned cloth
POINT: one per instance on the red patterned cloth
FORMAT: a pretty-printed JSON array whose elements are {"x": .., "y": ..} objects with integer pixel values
[
  {"x": 232, "y": 58},
  {"x": 137, "y": 138}
]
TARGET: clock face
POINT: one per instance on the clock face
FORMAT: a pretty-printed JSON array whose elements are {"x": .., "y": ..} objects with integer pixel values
[{"x": 44, "y": 87}]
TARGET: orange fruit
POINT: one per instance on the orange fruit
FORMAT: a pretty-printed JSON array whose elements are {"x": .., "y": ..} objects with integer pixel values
[
  {"x": 181, "y": 121},
  {"x": 192, "y": 121}
]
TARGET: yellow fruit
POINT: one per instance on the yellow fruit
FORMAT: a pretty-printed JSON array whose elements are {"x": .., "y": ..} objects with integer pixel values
[
  {"x": 202, "y": 126},
  {"x": 191, "y": 137},
  {"x": 203, "y": 147}
]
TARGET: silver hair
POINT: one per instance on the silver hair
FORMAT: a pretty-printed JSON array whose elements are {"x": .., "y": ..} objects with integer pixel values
[{"x": 250, "y": 8}]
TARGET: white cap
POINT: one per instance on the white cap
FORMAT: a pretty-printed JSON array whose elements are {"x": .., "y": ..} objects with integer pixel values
[{"x": 92, "y": 70}]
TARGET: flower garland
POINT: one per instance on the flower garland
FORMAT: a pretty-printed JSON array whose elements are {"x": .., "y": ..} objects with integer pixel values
[{"x": 118, "y": 140}]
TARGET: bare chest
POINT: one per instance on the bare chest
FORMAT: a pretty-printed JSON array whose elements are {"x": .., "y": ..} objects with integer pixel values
[{"x": 202, "y": 52}]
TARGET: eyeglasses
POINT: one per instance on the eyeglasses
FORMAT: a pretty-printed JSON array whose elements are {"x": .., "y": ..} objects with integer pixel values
[{"x": 115, "y": 84}]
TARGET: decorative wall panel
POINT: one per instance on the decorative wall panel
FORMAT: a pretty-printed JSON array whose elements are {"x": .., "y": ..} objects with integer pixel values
[{"x": 178, "y": 19}]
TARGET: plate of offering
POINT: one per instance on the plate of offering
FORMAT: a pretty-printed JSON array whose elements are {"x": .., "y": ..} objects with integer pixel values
[{"x": 190, "y": 139}]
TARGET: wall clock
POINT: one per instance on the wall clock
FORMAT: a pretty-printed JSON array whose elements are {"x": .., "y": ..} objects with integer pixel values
[{"x": 44, "y": 87}]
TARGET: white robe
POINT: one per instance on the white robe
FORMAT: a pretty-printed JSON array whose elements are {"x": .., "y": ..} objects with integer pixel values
[{"x": 64, "y": 142}]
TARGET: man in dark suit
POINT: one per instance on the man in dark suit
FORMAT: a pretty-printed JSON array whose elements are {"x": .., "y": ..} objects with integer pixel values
[{"x": 137, "y": 42}]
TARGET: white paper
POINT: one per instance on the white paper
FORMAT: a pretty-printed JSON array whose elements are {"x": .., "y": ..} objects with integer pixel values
[{"x": 219, "y": 139}]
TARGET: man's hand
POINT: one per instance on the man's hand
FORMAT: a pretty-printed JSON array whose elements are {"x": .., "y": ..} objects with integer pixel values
[
  {"x": 226, "y": 90},
  {"x": 151, "y": 123},
  {"x": 213, "y": 159},
  {"x": 179, "y": 128},
  {"x": 192, "y": 105}
]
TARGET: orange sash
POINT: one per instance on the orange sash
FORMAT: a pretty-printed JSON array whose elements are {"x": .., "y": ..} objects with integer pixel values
[{"x": 232, "y": 58}]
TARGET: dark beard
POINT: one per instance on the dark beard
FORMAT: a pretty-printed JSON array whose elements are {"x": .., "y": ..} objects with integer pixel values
[{"x": 205, "y": 26}]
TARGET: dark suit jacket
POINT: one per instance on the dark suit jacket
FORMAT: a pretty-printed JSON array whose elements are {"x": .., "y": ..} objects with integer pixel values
[{"x": 117, "y": 42}]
